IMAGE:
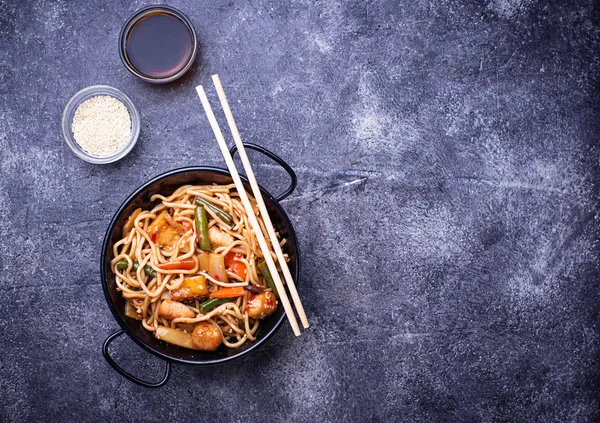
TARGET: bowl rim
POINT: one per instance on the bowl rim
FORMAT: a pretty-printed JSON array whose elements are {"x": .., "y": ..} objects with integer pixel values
[
  {"x": 105, "y": 251},
  {"x": 136, "y": 17},
  {"x": 85, "y": 94}
]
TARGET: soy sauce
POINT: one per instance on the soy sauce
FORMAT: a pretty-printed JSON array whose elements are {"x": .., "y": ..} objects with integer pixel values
[{"x": 159, "y": 45}]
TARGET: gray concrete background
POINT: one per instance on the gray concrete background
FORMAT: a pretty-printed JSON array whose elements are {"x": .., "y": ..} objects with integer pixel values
[{"x": 447, "y": 209}]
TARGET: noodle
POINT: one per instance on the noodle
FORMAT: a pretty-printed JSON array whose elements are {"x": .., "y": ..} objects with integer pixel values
[{"x": 160, "y": 269}]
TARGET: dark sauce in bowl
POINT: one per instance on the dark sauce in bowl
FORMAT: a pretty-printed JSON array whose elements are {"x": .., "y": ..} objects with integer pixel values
[{"x": 158, "y": 44}]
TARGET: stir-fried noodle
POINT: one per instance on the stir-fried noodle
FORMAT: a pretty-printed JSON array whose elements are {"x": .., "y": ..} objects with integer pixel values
[{"x": 192, "y": 291}]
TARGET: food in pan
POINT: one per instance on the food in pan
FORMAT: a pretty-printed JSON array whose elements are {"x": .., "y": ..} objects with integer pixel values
[{"x": 191, "y": 269}]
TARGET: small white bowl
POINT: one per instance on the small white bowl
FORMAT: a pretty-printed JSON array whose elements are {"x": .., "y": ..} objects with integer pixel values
[{"x": 84, "y": 95}]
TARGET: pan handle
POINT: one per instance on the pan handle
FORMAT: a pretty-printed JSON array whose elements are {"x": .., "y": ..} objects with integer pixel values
[
  {"x": 276, "y": 159},
  {"x": 124, "y": 373}
]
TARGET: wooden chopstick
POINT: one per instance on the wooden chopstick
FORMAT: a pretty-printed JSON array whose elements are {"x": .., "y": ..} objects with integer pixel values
[
  {"x": 260, "y": 201},
  {"x": 251, "y": 216}
]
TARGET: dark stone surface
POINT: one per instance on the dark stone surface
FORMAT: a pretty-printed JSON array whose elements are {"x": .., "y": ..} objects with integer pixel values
[{"x": 447, "y": 209}]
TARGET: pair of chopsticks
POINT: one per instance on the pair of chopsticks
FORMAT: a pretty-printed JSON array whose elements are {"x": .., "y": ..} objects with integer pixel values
[{"x": 259, "y": 201}]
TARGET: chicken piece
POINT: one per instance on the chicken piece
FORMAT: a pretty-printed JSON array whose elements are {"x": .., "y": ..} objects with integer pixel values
[
  {"x": 206, "y": 336},
  {"x": 172, "y": 309},
  {"x": 191, "y": 288},
  {"x": 166, "y": 230},
  {"x": 219, "y": 237},
  {"x": 262, "y": 305}
]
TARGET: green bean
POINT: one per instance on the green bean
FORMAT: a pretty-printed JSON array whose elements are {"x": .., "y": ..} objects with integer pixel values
[
  {"x": 123, "y": 264},
  {"x": 208, "y": 305},
  {"x": 226, "y": 217},
  {"x": 264, "y": 269},
  {"x": 202, "y": 228}
]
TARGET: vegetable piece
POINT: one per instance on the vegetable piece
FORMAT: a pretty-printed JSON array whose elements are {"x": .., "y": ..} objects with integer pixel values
[
  {"x": 184, "y": 243},
  {"x": 149, "y": 271},
  {"x": 207, "y": 306},
  {"x": 165, "y": 231},
  {"x": 191, "y": 288},
  {"x": 264, "y": 270},
  {"x": 186, "y": 225},
  {"x": 254, "y": 289},
  {"x": 206, "y": 336},
  {"x": 226, "y": 217},
  {"x": 262, "y": 305},
  {"x": 172, "y": 310},
  {"x": 219, "y": 237},
  {"x": 236, "y": 291},
  {"x": 203, "y": 262},
  {"x": 175, "y": 337},
  {"x": 130, "y": 222},
  {"x": 130, "y": 311},
  {"x": 236, "y": 266},
  {"x": 122, "y": 264},
  {"x": 216, "y": 267},
  {"x": 187, "y": 264},
  {"x": 202, "y": 228}
]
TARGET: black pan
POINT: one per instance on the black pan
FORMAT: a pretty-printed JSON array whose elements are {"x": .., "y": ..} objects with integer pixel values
[{"x": 166, "y": 184}]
